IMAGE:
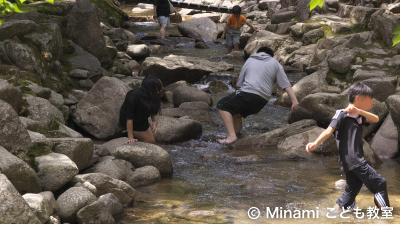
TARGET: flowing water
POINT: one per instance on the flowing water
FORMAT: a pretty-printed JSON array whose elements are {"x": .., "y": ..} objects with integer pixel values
[{"x": 214, "y": 184}]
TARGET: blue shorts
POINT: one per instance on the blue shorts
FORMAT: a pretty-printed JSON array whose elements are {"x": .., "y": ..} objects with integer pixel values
[{"x": 164, "y": 20}]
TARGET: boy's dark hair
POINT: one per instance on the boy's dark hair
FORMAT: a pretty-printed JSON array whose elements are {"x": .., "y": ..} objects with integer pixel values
[
  {"x": 150, "y": 99},
  {"x": 236, "y": 9},
  {"x": 267, "y": 50},
  {"x": 357, "y": 89}
]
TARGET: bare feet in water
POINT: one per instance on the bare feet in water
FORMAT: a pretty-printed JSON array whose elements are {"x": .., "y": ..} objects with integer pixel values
[{"x": 227, "y": 140}]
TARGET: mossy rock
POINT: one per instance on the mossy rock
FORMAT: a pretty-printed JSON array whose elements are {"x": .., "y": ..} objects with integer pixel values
[
  {"x": 59, "y": 8},
  {"x": 26, "y": 78},
  {"x": 111, "y": 9}
]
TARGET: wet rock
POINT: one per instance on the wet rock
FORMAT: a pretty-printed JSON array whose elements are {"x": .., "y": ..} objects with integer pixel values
[
  {"x": 281, "y": 17},
  {"x": 105, "y": 184},
  {"x": 393, "y": 105},
  {"x": 138, "y": 51},
  {"x": 360, "y": 74},
  {"x": 177, "y": 130},
  {"x": 235, "y": 55},
  {"x": 199, "y": 28},
  {"x": 79, "y": 150},
  {"x": 84, "y": 29},
  {"x": 144, "y": 176},
  {"x": 98, "y": 111},
  {"x": 312, "y": 36},
  {"x": 111, "y": 203},
  {"x": 201, "y": 45},
  {"x": 217, "y": 86},
  {"x": 188, "y": 94},
  {"x": 385, "y": 142},
  {"x": 10, "y": 94},
  {"x": 142, "y": 154},
  {"x": 244, "y": 37},
  {"x": 9, "y": 29},
  {"x": 250, "y": 158},
  {"x": 80, "y": 74},
  {"x": 174, "y": 68},
  {"x": 122, "y": 35},
  {"x": 71, "y": 201},
  {"x": 173, "y": 86},
  {"x": 95, "y": 213},
  {"x": 295, "y": 155},
  {"x": 299, "y": 142},
  {"x": 361, "y": 14},
  {"x": 49, "y": 42},
  {"x": 20, "y": 174},
  {"x": 85, "y": 61},
  {"x": 55, "y": 170},
  {"x": 40, "y": 206},
  {"x": 14, "y": 208},
  {"x": 158, "y": 49},
  {"x": 382, "y": 87},
  {"x": 272, "y": 138},
  {"x": 14, "y": 136}
]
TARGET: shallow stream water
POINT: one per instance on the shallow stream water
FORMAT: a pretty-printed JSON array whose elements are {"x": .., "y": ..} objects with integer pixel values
[{"x": 214, "y": 184}]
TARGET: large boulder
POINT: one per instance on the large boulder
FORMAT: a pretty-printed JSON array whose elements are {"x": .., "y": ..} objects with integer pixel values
[
  {"x": 144, "y": 176},
  {"x": 142, "y": 154},
  {"x": 84, "y": 29},
  {"x": 55, "y": 170},
  {"x": 10, "y": 94},
  {"x": 281, "y": 17},
  {"x": 340, "y": 59},
  {"x": 111, "y": 203},
  {"x": 9, "y": 29},
  {"x": 312, "y": 36},
  {"x": 393, "y": 104},
  {"x": 174, "y": 68},
  {"x": 40, "y": 206},
  {"x": 370, "y": 156},
  {"x": 272, "y": 138},
  {"x": 79, "y": 150},
  {"x": 177, "y": 130},
  {"x": 322, "y": 107},
  {"x": 184, "y": 94},
  {"x": 71, "y": 201},
  {"x": 138, "y": 51},
  {"x": 263, "y": 39},
  {"x": 384, "y": 25},
  {"x": 361, "y": 14},
  {"x": 360, "y": 74},
  {"x": 303, "y": 10},
  {"x": 98, "y": 112},
  {"x": 85, "y": 61},
  {"x": 14, "y": 136},
  {"x": 114, "y": 143},
  {"x": 47, "y": 38},
  {"x": 105, "y": 184},
  {"x": 14, "y": 209},
  {"x": 386, "y": 141},
  {"x": 382, "y": 87},
  {"x": 43, "y": 111},
  {"x": 22, "y": 176},
  {"x": 95, "y": 213},
  {"x": 199, "y": 28},
  {"x": 48, "y": 195},
  {"x": 112, "y": 168}
]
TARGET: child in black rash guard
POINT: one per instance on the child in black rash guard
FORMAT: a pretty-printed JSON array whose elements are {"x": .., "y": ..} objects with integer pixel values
[{"x": 347, "y": 128}]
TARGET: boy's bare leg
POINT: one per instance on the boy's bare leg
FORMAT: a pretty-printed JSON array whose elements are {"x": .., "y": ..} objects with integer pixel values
[
  {"x": 237, "y": 122},
  {"x": 163, "y": 31},
  {"x": 145, "y": 136},
  {"x": 236, "y": 47},
  {"x": 229, "y": 50},
  {"x": 228, "y": 121}
]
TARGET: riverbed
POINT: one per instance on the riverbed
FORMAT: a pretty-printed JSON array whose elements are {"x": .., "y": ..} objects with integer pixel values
[{"x": 215, "y": 184}]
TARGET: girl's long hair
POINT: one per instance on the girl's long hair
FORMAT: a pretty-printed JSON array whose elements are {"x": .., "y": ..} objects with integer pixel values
[{"x": 150, "y": 97}]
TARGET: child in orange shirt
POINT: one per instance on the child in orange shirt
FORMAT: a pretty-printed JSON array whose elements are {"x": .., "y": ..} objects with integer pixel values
[{"x": 233, "y": 26}]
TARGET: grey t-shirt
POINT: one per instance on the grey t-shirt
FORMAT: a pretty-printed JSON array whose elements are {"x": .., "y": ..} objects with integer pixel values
[
  {"x": 349, "y": 138},
  {"x": 260, "y": 73}
]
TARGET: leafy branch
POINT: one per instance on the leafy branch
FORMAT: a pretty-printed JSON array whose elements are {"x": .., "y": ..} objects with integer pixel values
[{"x": 7, "y": 8}]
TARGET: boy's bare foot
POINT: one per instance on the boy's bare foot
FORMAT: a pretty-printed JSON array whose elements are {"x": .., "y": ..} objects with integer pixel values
[{"x": 227, "y": 140}]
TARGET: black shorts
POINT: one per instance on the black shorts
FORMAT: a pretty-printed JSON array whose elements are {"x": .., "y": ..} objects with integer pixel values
[
  {"x": 244, "y": 103},
  {"x": 136, "y": 126}
]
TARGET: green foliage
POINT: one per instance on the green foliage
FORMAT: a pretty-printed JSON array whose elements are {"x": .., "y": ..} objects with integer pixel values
[
  {"x": 397, "y": 35},
  {"x": 6, "y": 7},
  {"x": 315, "y": 3}
]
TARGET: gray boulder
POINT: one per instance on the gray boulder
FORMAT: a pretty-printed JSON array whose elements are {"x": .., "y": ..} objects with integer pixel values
[
  {"x": 9, "y": 29},
  {"x": 79, "y": 150},
  {"x": 281, "y": 17},
  {"x": 394, "y": 61},
  {"x": 78, "y": 73},
  {"x": 142, "y": 154},
  {"x": 98, "y": 112},
  {"x": 345, "y": 10},
  {"x": 184, "y": 94},
  {"x": 111, "y": 203},
  {"x": 393, "y": 105},
  {"x": 101, "y": 151},
  {"x": 21, "y": 175},
  {"x": 48, "y": 195},
  {"x": 56, "y": 99},
  {"x": 85, "y": 61},
  {"x": 105, "y": 184},
  {"x": 144, "y": 176},
  {"x": 303, "y": 10},
  {"x": 360, "y": 74},
  {"x": 54, "y": 219},
  {"x": 110, "y": 168},
  {"x": 370, "y": 156},
  {"x": 41, "y": 92},
  {"x": 40, "y": 140},
  {"x": 14, "y": 136},
  {"x": 308, "y": 27},
  {"x": 84, "y": 29},
  {"x": 95, "y": 213},
  {"x": 340, "y": 59},
  {"x": 361, "y": 14},
  {"x": 10, "y": 94},
  {"x": 114, "y": 143},
  {"x": 312, "y": 36},
  {"x": 43, "y": 111},
  {"x": 296, "y": 29},
  {"x": 55, "y": 170},
  {"x": 40, "y": 206},
  {"x": 174, "y": 68},
  {"x": 340, "y": 27},
  {"x": 138, "y": 51},
  {"x": 385, "y": 142},
  {"x": 382, "y": 87},
  {"x": 47, "y": 38},
  {"x": 71, "y": 201},
  {"x": 199, "y": 28},
  {"x": 14, "y": 209},
  {"x": 272, "y": 138},
  {"x": 29, "y": 124},
  {"x": 177, "y": 130}
]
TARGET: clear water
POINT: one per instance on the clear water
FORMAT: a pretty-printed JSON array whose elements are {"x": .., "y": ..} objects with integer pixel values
[{"x": 213, "y": 184}]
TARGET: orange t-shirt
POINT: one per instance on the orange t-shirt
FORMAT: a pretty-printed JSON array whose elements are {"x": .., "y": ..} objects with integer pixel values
[{"x": 235, "y": 23}]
